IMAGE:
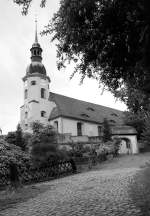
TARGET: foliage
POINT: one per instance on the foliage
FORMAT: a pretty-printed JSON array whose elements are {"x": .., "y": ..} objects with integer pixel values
[
  {"x": 28, "y": 172},
  {"x": 11, "y": 153},
  {"x": 11, "y": 137},
  {"x": 36, "y": 126},
  {"x": 27, "y": 137},
  {"x": 135, "y": 120},
  {"x": 26, "y": 4},
  {"x": 107, "y": 40},
  {"x": 45, "y": 148},
  {"x": 106, "y": 131},
  {"x": 135, "y": 99},
  {"x": 146, "y": 132},
  {"x": 19, "y": 138}
]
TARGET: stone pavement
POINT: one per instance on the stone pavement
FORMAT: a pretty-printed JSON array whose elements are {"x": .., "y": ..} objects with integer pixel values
[{"x": 95, "y": 193}]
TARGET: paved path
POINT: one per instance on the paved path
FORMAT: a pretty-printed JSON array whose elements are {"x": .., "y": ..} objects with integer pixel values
[{"x": 95, "y": 193}]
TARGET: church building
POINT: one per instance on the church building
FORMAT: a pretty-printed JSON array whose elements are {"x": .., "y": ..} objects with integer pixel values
[{"x": 75, "y": 118}]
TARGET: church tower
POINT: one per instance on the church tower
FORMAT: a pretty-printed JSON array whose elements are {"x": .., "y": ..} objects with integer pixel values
[{"x": 36, "y": 90}]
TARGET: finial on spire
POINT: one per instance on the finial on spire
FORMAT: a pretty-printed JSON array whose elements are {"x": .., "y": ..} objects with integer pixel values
[{"x": 36, "y": 37}]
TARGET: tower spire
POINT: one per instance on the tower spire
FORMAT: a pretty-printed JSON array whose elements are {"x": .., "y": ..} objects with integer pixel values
[{"x": 36, "y": 37}]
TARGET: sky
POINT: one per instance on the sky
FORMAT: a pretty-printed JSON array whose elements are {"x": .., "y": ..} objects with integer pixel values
[{"x": 16, "y": 38}]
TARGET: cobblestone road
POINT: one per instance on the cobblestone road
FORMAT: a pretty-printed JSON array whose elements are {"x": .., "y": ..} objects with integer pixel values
[{"x": 95, "y": 193}]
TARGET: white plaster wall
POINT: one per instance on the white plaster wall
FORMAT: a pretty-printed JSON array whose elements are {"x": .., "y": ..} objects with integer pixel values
[
  {"x": 32, "y": 108},
  {"x": 60, "y": 124},
  {"x": 70, "y": 126}
]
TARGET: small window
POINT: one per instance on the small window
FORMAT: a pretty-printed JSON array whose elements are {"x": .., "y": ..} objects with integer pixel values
[
  {"x": 112, "y": 121},
  {"x": 90, "y": 109},
  {"x": 114, "y": 114},
  {"x": 38, "y": 53},
  {"x": 34, "y": 52},
  {"x": 33, "y": 82},
  {"x": 26, "y": 94},
  {"x": 43, "y": 93},
  {"x": 43, "y": 114},
  {"x": 26, "y": 114},
  {"x": 79, "y": 129},
  {"x": 85, "y": 115},
  {"x": 99, "y": 130}
]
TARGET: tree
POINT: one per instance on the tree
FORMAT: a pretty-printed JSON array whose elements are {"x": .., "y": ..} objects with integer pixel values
[
  {"x": 45, "y": 148},
  {"x": 137, "y": 121},
  {"x": 19, "y": 138},
  {"x": 106, "y": 131},
  {"x": 108, "y": 40},
  {"x": 11, "y": 137},
  {"x": 146, "y": 132},
  {"x": 37, "y": 126}
]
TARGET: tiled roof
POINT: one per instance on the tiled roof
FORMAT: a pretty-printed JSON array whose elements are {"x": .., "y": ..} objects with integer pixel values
[
  {"x": 123, "y": 130},
  {"x": 77, "y": 109}
]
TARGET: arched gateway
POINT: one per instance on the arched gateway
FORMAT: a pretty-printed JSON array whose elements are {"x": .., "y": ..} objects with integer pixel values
[{"x": 128, "y": 135}]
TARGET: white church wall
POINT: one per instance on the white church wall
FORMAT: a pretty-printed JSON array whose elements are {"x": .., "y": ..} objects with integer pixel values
[
  {"x": 70, "y": 126},
  {"x": 60, "y": 124}
]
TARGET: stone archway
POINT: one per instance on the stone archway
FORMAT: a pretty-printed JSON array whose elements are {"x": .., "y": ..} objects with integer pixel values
[
  {"x": 128, "y": 135},
  {"x": 129, "y": 144}
]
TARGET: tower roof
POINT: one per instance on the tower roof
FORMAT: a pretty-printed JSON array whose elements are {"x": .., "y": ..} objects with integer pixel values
[
  {"x": 36, "y": 66},
  {"x": 36, "y": 43}
]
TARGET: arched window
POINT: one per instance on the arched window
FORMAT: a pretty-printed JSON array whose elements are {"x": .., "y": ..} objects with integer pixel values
[
  {"x": 34, "y": 52},
  {"x": 43, "y": 114},
  {"x": 26, "y": 94},
  {"x": 79, "y": 129},
  {"x": 99, "y": 130},
  {"x": 43, "y": 93}
]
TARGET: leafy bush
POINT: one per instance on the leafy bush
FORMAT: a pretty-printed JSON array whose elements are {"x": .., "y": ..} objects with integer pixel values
[
  {"x": 17, "y": 138},
  {"x": 11, "y": 153},
  {"x": 45, "y": 148},
  {"x": 27, "y": 171}
]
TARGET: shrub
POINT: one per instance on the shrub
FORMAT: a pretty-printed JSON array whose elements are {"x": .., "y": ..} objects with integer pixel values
[
  {"x": 11, "y": 153},
  {"x": 17, "y": 138},
  {"x": 45, "y": 148},
  {"x": 106, "y": 131}
]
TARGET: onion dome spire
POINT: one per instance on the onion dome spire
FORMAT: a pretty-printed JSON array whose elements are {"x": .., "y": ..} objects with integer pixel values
[
  {"x": 36, "y": 66},
  {"x": 36, "y": 50}
]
